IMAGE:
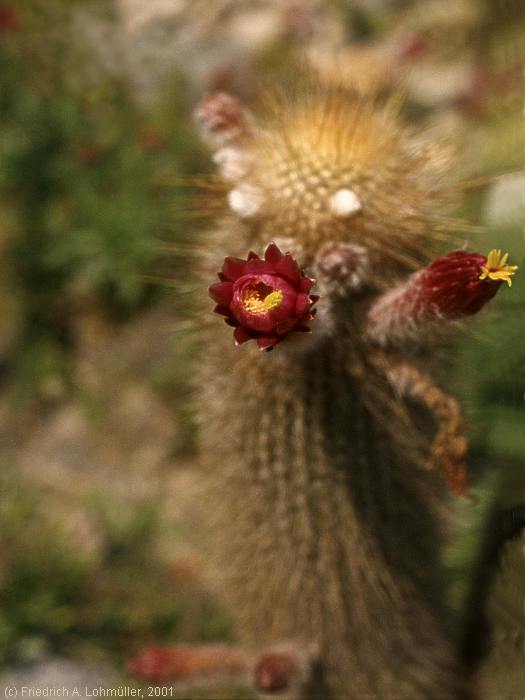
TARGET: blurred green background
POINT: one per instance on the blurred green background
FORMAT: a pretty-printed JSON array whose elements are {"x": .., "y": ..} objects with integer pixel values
[{"x": 97, "y": 434}]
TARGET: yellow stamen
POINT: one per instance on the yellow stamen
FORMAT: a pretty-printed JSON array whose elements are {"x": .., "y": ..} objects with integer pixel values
[
  {"x": 273, "y": 300},
  {"x": 261, "y": 298},
  {"x": 496, "y": 268}
]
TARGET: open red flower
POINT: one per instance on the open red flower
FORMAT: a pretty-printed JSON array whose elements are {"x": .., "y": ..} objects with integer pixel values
[{"x": 264, "y": 300}]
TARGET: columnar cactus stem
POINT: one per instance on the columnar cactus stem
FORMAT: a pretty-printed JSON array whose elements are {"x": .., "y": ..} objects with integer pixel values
[{"x": 326, "y": 528}]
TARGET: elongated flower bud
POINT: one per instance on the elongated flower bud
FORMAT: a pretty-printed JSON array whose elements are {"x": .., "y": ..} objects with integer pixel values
[
  {"x": 452, "y": 286},
  {"x": 183, "y": 663}
]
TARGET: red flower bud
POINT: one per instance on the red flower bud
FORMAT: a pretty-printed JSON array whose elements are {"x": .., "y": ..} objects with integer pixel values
[
  {"x": 264, "y": 300},
  {"x": 221, "y": 118},
  {"x": 452, "y": 286},
  {"x": 9, "y": 21}
]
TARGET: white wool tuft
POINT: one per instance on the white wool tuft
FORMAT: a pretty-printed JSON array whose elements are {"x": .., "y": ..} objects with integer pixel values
[
  {"x": 345, "y": 203},
  {"x": 245, "y": 201}
]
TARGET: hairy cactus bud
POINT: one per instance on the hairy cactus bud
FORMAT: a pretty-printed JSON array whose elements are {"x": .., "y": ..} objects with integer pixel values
[
  {"x": 221, "y": 118},
  {"x": 343, "y": 267},
  {"x": 452, "y": 286}
]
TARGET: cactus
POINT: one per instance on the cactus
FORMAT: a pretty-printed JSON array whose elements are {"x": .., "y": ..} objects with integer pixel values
[{"x": 325, "y": 456}]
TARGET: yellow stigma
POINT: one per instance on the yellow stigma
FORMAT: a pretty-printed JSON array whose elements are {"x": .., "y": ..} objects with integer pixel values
[
  {"x": 496, "y": 268},
  {"x": 261, "y": 298}
]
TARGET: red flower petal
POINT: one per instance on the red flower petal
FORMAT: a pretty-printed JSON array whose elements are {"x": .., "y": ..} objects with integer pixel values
[
  {"x": 306, "y": 284},
  {"x": 284, "y": 327},
  {"x": 241, "y": 335},
  {"x": 267, "y": 342},
  {"x": 273, "y": 254},
  {"x": 221, "y": 292},
  {"x": 233, "y": 268},
  {"x": 302, "y": 305},
  {"x": 223, "y": 310},
  {"x": 256, "y": 266},
  {"x": 289, "y": 269}
]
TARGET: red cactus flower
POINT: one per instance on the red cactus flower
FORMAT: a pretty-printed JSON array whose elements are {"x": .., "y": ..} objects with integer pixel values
[
  {"x": 454, "y": 285},
  {"x": 9, "y": 21},
  {"x": 264, "y": 300}
]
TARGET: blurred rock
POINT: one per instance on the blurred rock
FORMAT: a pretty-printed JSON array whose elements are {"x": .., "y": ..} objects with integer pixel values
[
  {"x": 433, "y": 83},
  {"x": 367, "y": 68},
  {"x": 214, "y": 45},
  {"x": 112, "y": 438},
  {"x": 62, "y": 448},
  {"x": 505, "y": 203}
]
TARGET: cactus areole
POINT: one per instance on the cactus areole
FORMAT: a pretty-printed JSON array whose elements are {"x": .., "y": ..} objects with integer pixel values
[{"x": 324, "y": 458}]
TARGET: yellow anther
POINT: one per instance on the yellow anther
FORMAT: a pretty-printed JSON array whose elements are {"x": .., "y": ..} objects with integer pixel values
[
  {"x": 273, "y": 300},
  {"x": 497, "y": 269},
  {"x": 261, "y": 298}
]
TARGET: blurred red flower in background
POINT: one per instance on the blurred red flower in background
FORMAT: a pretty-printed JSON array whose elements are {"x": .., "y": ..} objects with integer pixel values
[{"x": 9, "y": 21}]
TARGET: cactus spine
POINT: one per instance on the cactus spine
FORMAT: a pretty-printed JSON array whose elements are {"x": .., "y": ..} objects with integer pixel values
[{"x": 327, "y": 523}]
